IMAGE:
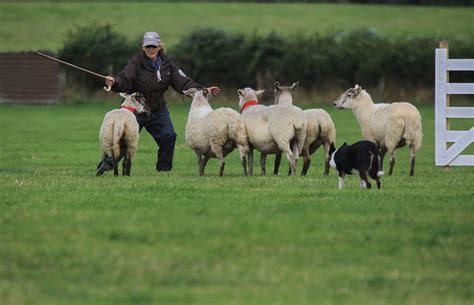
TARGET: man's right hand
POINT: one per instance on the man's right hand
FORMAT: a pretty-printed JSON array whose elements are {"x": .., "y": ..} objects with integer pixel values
[{"x": 109, "y": 80}]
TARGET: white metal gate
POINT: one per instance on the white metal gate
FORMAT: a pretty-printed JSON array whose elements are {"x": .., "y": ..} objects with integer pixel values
[{"x": 445, "y": 156}]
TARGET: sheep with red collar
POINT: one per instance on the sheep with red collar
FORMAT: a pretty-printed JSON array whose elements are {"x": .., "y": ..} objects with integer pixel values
[
  {"x": 119, "y": 134},
  {"x": 214, "y": 133},
  {"x": 321, "y": 129},
  {"x": 390, "y": 126},
  {"x": 272, "y": 129}
]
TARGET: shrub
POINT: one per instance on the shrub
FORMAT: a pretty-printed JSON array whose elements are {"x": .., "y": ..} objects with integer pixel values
[
  {"x": 95, "y": 48},
  {"x": 211, "y": 56},
  {"x": 335, "y": 59}
]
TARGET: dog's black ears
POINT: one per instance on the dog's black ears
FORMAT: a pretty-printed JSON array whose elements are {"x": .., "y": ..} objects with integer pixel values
[{"x": 345, "y": 143}]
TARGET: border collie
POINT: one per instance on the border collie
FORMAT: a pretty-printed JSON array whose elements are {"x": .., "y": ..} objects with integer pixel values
[{"x": 362, "y": 157}]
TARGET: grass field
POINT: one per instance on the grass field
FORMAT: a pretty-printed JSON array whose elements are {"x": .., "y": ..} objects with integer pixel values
[
  {"x": 68, "y": 237},
  {"x": 32, "y": 26}
]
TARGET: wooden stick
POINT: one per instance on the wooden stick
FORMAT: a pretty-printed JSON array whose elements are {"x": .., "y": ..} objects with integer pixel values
[{"x": 74, "y": 66}]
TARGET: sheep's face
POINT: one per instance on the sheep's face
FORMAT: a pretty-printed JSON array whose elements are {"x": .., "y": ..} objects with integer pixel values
[
  {"x": 197, "y": 94},
  {"x": 285, "y": 91},
  {"x": 194, "y": 92},
  {"x": 142, "y": 106},
  {"x": 348, "y": 99},
  {"x": 137, "y": 101},
  {"x": 248, "y": 94}
]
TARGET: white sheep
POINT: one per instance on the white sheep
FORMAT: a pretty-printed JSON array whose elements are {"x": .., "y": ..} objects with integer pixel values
[
  {"x": 214, "y": 133},
  {"x": 321, "y": 129},
  {"x": 119, "y": 134},
  {"x": 272, "y": 129},
  {"x": 390, "y": 126}
]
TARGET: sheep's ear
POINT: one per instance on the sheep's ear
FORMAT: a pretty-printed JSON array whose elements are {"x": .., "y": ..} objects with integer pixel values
[
  {"x": 259, "y": 92},
  {"x": 240, "y": 92},
  {"x": 124, "y": 95},
  {"x": 206, "y": 92},
  {"x": 276, "y": 85},
  {"x": 294, "y": 85},
  {"x": 358, "y": 88},
  {"x": 190, "y": 92}
]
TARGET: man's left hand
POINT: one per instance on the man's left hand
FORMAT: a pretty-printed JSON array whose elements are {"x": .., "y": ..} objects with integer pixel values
[{"x": 214, "y": 90}]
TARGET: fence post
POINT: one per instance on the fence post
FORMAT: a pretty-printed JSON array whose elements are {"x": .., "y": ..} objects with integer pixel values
[{"x": 441, "y": 102}]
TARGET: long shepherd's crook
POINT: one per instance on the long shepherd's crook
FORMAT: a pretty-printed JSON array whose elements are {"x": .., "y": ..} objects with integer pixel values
[{"x": 74, "y": 66}]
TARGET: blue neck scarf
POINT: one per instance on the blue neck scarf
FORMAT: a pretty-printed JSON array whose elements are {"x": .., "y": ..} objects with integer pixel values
[{"x": 156, "y": 66}]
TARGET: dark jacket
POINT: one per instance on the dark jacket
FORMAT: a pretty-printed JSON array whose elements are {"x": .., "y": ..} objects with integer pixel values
[{"x": 140, "y": 76}]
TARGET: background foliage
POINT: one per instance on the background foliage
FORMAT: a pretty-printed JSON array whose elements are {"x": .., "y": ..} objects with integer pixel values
[
  {"x": 97, "y": 47},
  {"x": 334, "y": 59}
]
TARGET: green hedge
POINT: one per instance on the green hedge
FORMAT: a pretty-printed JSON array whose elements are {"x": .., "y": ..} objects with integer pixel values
[
  {"x": 96, "y": 48},
  {"x": 338, "y": 59}
]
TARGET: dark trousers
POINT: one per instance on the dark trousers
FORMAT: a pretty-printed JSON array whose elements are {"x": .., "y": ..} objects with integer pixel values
[{"x": 159, "y": 125}]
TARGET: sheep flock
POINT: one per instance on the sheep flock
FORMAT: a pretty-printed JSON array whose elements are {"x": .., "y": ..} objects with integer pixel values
[{"x": 281, "y": 128}]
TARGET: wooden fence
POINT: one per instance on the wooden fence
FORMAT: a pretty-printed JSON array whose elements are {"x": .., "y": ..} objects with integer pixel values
[{"x": 26, "y": 78}]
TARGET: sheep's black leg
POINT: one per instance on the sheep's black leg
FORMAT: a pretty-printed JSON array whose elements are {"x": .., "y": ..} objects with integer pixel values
[
  {"x": 221, "y": 161},
  {"x": 263, "y": 159},
  {"x": 306, "y": 163},
  {"x": 100, "y": 169},
  {"x": 250, "y": 161},
  {"x": 204, "y": 162},
  {"x": 327, "y": 159},
  {"x": 129, "y": 166},
  {"x": 392, "y": 164},
  {"x": 124, "y": 166},
  {"x": 412, "y": 166},
  {"x": 115, "y": 164},
  {"x": 221, "y": 167},
  {"x": 383, "y": 151},
  {"x": 199, "y": 161},
  {"x": 276, "y": 168}
]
